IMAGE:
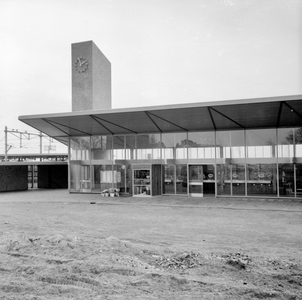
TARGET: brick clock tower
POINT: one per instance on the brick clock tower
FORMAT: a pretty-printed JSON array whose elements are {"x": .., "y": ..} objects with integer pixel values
[{"x": 91, "y": 78}]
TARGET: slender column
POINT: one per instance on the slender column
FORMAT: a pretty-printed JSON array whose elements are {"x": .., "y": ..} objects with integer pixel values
[
  {"x": 5, "y": 146},
  {"x": 277, "y": 154},
  {"x": 40, "y": 145},
  {"x": 245, "y": 157},
  {"x": 295, "y": 174}
]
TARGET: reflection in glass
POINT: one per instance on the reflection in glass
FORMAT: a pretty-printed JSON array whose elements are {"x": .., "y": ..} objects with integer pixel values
[
  {"x": 80, "y": 148},
  {"x": 262, "y": 179},
  {"x": 101, "y": 147},
  {"x": 286, "y": 180},
  {"x": 201, "y": 145},
  {"x": 119, "y": 147},
  {"x": 174, "y": 145},
  {"x": 148, "y": 146},
  {"x": 261, "y": 143},
  {"x": 223, "y": 179},
  {"x": 130, "y": 147},
  {"x": 298, "y": 180},
  {"x": 237, "y": 144},
  {"x": 74, "y": 178},
  {"x": 223, "y": 144},
  {"x": 123, "y": 179},
  {"x": 169, "y": 179},
  {"x": 85, "y": 181},
  {"x": 107, "y": 177},
  {"x": 196, "y": 179},
  {"x": 238, "y": 179},
  {"x": 181, "y": 179},
  {"x": 285, "y": 142},
  {"x": 298, "y": 142}
]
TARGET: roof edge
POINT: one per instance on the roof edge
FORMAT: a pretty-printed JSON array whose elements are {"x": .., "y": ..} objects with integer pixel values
[{"x": 170, "y": 106}]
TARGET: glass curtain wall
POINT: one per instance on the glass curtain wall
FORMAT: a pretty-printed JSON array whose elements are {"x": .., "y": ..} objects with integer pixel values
[
  {"x": 201, "y": 145},
  {"x": 148, "y": 146},
  {"x": 231, "y": 176},
  {"x": 79, "y": 153},
  {"x": 261, "y": 177},
  {"x": 101, "y": 156},
  {"x": 130, "y": 144},
  {"x": 267, "y": 165},
  {"x": 174, "y": 145}
]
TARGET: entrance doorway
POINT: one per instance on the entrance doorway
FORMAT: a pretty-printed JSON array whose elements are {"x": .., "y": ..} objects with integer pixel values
[
  {"x": 201, "y": 180},
  {"x": 196, "y": 180},
  {"x": 85, "y": 182}
]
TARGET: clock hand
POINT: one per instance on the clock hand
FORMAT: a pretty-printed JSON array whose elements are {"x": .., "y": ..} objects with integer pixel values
[{"x": 82, "y": 62}]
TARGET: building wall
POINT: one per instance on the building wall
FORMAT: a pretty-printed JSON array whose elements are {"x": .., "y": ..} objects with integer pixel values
[
  {"x": 53, "y": 176},
  {"x": 13, "y": 178}
]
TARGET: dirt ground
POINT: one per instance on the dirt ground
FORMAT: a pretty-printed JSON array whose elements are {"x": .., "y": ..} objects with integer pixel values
[{"x": 55, "y": 245}]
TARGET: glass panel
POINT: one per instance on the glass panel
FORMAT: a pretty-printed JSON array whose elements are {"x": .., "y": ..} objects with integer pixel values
[
  {"x": 96, "y": 181},
  {"x": 223, "y": 144},
  {"x": 261, "y": 143},
  {"x": 298, "y": 142},
  {"x": 123, "y": 178},
  {"x": 238, "y": 179},
  {"x": 101, "y": 147},
  {"x": 208, "y": 180},
  {"x": 130, "y": 147},
  {"x": 148, "y": 146},
  {"x": 80, "y": 148},
  {"x": 201, "y": 145},
  {"x": 74, "y": 178},
  {"x": 285, "y": 142},
  {"x": 286, "y": 180},
  {"x": 85, "y": 181},
  {"x": 196, "y": 179},
  {"x": 169, "y": 175},
  {"x": 181, "y": 179},
  {"x": 174, "y": 145},
  {"x": 237, "y": 144},
  {"x": 223, "y": 180},
  {"x": 106, "y": 177},
  {"x": 299, "y": 180},
  {"x": 142, "y": 182},
  {"x": 262, "y": 179},
  {"x": 119, "y": 147}
]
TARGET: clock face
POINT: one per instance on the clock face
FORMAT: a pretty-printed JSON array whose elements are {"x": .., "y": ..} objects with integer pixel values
[{"x": 81, "y": 64}]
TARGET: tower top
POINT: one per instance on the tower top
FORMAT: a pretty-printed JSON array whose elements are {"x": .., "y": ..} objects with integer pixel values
[{"x": 91, "y": 77}]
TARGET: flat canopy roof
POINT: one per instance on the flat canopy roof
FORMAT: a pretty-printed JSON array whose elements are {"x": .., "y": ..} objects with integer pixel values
[{"x": 272, "y": 112}]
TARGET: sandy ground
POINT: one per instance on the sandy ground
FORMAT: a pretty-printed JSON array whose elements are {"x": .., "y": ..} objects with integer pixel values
[{"x": 55, "y": 245}]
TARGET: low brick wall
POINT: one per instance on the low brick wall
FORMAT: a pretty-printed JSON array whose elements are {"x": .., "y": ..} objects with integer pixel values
[{"x": 13, "y": 178}]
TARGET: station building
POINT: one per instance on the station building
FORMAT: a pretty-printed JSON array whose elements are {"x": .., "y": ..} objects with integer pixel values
[{"x": 246, "y": 148}]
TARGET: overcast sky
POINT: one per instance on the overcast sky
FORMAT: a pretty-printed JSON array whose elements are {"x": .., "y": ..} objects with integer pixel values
[{"x": 161, "y": 51}]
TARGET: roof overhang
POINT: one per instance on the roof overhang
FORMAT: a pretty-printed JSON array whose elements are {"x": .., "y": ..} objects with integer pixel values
[{"x": 271, "y": 112}]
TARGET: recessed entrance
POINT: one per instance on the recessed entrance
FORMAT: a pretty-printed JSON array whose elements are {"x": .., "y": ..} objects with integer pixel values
[
  {"x": 201, "y": 180},
  {"x": 196, "y": 180}
]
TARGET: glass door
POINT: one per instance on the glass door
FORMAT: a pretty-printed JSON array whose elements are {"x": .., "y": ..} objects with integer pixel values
[
  {"x": 196, "y": 180},
  {"x": 85, "y": 181}
]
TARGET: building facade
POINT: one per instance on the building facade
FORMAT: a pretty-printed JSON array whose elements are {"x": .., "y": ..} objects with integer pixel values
[
  {"x": 249, "y": 147},
  {"x": 258, "y": 162}
]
